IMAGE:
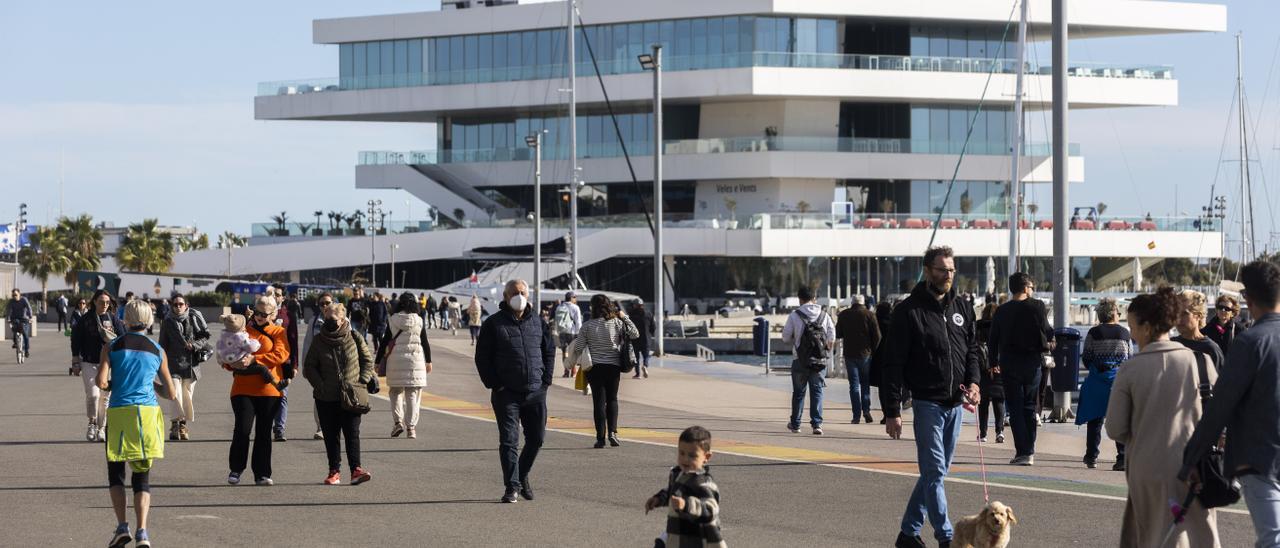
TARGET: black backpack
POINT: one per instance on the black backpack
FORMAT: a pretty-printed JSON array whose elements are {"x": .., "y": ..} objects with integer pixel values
[{"x": 813, "y": 351}]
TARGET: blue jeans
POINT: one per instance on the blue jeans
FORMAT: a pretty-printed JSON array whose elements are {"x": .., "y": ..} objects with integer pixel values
[
  {"x": 1020, "y": 400},
  {"x": 26, "y": 336},
  {"x": 937, "y": 427},
  {"x": 803, "y": 378},
  {"x": 282, "y": 413},
  {"x": 859, "y": 385},
  {"x": 1262, "y": 496}
]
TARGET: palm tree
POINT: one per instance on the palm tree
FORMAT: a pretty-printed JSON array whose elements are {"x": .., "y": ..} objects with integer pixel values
[
  {"x": 83, "y": 243},
  {"x": 318, "y": 214},
  {"x": 145, "y": 248},
  {"x": 305, "y": 228},
  {"x": 335, "y": 219},
  {"x": 191, "y": 244},
  {"x": 280, "y": 221},
  {"x": 231, "y": 239},
  {"x": 44, "y": 258}
]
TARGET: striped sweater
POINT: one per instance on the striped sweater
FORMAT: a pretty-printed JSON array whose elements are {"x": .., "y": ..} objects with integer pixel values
[{"x": 602, "y": 339}]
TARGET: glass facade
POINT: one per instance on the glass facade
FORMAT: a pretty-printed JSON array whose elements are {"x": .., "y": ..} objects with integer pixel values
[
  {"x": 925, "y": 198},
  {"x": 962, "y": 41},
  {"x": 490, "y": 139},
  {"x": 688, "y": 44},
  {"x": 944, "y": 127}
]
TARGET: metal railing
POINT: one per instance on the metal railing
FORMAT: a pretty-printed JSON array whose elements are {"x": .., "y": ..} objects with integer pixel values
[
  {"x": 708, "y": 146},
  {"x": 901, "y": 63}
]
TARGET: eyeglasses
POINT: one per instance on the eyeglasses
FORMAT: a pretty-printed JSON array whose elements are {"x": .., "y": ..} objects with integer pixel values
[
  {"x": 179, "y": 304},
  {"x": 326, "y": 303},
  {"x": 259, "y": 314},
  {"x": 947, "y": 270}
]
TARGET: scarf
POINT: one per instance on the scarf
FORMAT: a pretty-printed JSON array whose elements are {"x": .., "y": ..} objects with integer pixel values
[{"x": 335, "y": 332}]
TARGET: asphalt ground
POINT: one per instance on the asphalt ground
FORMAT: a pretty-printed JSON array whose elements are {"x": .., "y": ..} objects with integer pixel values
[{"x": 443, "y": 487}]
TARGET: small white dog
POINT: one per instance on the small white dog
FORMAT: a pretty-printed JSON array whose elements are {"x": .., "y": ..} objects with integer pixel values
[{"x": 988, "y": 529}]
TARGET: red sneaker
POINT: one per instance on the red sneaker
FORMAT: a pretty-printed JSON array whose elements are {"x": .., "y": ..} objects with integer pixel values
[
  {"x": 334, "y": 478},
  {"x": 360, "y": 475}
]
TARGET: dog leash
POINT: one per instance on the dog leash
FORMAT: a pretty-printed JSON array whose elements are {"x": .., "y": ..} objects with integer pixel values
[{"x": 982, "y": 462}]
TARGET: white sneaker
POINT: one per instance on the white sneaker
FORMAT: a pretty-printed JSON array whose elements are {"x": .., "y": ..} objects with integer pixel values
[
  {"x": 265, "y": 481},
  {"x": 91, "y": 433},
  {"x": 102, "y": 433}
]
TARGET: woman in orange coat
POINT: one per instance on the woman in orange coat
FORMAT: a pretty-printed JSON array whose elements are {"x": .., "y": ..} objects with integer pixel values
[{"x": 254, "y": 401}]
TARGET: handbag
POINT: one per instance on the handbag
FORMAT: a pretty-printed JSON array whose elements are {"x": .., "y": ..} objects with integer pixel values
[
  {"x": 626, "y": 357},
  {"x": 354, "y": 399},
  {"x": 380, "y": 368},
  {"x": 1049, "y": 362},
  {"x": 583, "y": 359},
  {"x": 1216, "y": 488}
]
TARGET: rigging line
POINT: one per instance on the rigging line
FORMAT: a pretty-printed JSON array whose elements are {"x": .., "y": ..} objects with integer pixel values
[
  {"x": 623, "y": 144},
  {"x": 1262, "y": 173},
  {"x": 969, "y": 133},
  {"x": 1124, "y": 158},
  {"x": 1244, "y": 110},
  {"x": 1226, "y": 132}
]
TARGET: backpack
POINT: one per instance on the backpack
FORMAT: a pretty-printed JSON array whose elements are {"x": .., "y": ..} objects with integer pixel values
[
  {"x": 812, "y": 352},
  {"x": 564, "y": 319}
]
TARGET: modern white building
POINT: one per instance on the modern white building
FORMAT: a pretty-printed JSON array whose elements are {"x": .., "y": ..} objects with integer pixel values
[{"x": 806, "y": 141}]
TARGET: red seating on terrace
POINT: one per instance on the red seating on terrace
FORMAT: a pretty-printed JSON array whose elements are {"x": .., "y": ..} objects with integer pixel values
[
  {"x": 1117, "y": 224},
  {"x": 983, "y": 223},
  {"x": 1147, "y": 225},
  {"x": 951, "y": 223},
  {"x": 873, "y": 223},
  {"x": 1082, "y": 224},
  {"x": 914, "y": 223},
  {"x": 1046, "y": 224}
]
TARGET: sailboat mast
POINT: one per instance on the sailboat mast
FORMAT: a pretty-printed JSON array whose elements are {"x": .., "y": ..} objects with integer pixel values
[
  {"x": 1015, "y": 188},
  {"x": 573, "y": 145},
  {"x": 1246, "y": 193}
]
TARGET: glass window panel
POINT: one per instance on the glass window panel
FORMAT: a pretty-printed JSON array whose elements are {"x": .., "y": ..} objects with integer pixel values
[
  {"x": 544, "y": 53},
  {"x": 959, "y": 125},
  {"x": 499, "y": 56},
  {"x": 473, "y": 137},
  {"x": 620, "y": 52},
  {"x": 651, "y": 36},
  {"x": 485, "y": 140},
  {"x": 456, "y": 61},
  {"x": 640, "y": 130},
  {"x": 731, "y": 38},
  {"x": 919, "y": 129},
  {"x": 698, "y": 34},
  {"x": 977, "y": 43},
  {"x": 401, "y": 57},
  {"x": 346, "y": 65},
  {"x": 486, "y": 57},
  {"x": 635, "y": 44},
  {"x": 919, "y": 41},
  {"x": 582, "y": 136},
  {"x": 937, "y": 41},
  {"x": 715, "y": 42},
  {"x": 388, "y": 63},
  {"x": 938, "y": 132},
  {"x": 513, "y": 56},
  {"x": 371, "y": 56},
  {"x": 684, "y": 46},
  {"x": 415, "y": 58},
  {"x": 529, "y": 41},
  {"x": 806, "y": 35},
  {"x": 359, "y": 63},
  {"x": 747, "y": 34},
  {"x": 595, "y": 138},
  {"x": 624, "y": 126},
  {"x": 666, "y": 35},
  {"x": 828, "y": 42},
  {"x": 782, "y": 35},
  {"x": 957, "y": 38},
  {"x": 603, "y": 43},
  {"x": 978, "y": 139},
  {"x": 471, "y": 47},
  {"x": 442, "y": 60},
  {"x": 522, "y": 129}
]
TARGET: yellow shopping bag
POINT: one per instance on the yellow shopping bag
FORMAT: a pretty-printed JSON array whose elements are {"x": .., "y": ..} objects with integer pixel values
[{"x": 580, "y": 381}]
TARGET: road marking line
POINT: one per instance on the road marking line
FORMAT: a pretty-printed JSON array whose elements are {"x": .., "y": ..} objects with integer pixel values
[{"x": 452, "y": 407}]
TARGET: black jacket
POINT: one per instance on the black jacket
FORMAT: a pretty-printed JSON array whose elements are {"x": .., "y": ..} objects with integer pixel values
[
  {"x": 933, "y": 350},
  {"x": 518, "y": 355},
  {"x": 1223, "y": 334},
  {"x": 1019, "y": 332},
  {"x": 86, "y": 342}
]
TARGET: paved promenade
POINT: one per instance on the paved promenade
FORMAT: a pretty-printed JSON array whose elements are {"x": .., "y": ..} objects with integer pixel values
[{"x": 847, "y": 488}]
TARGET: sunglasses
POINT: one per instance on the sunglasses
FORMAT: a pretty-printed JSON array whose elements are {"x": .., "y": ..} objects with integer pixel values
[
  {"x": 179, "y": 304},
  {"x": 326, "y": 303},
  {"x": 257, "y": 314},
  {"x": 1227, "y": 309}
]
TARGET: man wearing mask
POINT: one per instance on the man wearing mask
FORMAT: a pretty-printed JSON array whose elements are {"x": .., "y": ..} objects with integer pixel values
[
  {"x": 934, "y": 354},
  {"x": 1020, "y": 336},
  {"x": 515, "y": 358}
]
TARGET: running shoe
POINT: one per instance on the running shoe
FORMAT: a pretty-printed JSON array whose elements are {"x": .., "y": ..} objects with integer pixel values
[
  {"x": 264, "y": 481},
  {"x": 91, "y": 433},
  {"x": 143, "y": 540},
  {"x": 397, "y": 430},
  {"x": 334, "y": 478},
  {"x": 233, "y": 478},
  {"x": 999, "y": 438},
  {"x": 817, "y": 430},
  {"x": 121, "y": 537},
  {"x": 412, "y": 433},
  {"x": 360, "y": 475}
]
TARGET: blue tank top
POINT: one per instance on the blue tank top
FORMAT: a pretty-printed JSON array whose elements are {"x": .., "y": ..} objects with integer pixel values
[{"x": 135, "y": 362}]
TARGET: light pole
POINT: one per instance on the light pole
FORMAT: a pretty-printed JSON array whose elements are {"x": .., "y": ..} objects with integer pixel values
[
  {"x": 654, "y": 63},
  {"x": 375, "y": 208},
  {"x": 394, "y": 247},
  {"x": 535, "y": 141}
]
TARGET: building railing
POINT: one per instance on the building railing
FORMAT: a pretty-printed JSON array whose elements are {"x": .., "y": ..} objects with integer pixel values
[
  {"x": 776, "y": 221},
  {"x": 709, "y": 146},
  {"x": 900, "y": 63},
  {"x": 327, "y": 229}
]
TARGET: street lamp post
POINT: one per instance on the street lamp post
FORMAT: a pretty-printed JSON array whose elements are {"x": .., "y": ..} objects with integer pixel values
[
  {"x": 394, "y": 247},
  {"x": 375, "y": 208},
  {"x": 654, "y": 63},
  {"x": 535, "y": 141}
]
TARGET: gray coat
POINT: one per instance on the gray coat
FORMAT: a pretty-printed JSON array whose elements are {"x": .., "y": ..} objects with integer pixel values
[
  {"x": 1246, "y": 402},
  {"x": 174, "y": 336}
]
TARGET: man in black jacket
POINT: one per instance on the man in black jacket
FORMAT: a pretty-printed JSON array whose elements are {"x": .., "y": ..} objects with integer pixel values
[
  {"x": 1020, "y": 335},
  {"x": 934, "y": 353},
  {"x": 515, "y": 357}
]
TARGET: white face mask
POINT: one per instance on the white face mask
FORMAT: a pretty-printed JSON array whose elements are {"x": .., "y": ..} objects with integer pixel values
[{"x": 517, "y": 302}]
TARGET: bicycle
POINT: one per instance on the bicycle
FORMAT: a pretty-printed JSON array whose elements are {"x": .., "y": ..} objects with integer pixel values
[{"x": 19, "y": 340}]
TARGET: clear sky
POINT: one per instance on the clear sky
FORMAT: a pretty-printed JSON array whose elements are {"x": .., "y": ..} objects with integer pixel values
[{"x": 150, "y": 106}]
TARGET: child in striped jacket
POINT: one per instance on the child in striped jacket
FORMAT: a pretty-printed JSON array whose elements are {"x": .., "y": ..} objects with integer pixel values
[{"x": 691, "y": 497}]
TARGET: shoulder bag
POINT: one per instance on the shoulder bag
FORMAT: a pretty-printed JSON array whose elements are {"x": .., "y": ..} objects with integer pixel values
[
  {"x": 380, "y": 367},
  {"x": 1216, "y": 487},
  {"x": 626, "y": 356},
  {"x": 354, "y": 398}
]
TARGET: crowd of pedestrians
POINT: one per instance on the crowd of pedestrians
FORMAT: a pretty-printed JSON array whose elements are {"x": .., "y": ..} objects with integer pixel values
[{"x": 1167, "y": 401}]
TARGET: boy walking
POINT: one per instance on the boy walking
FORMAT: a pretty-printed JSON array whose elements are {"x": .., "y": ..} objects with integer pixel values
[{"x": 691, "y": 497}]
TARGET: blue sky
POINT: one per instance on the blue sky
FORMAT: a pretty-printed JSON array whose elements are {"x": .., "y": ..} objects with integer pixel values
[{"x": 150, "y": 105}]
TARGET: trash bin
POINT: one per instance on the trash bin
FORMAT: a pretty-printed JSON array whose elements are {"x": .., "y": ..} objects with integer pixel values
[
  {"x": 760, "y": 336},
  {"x": 1065, "y": 376}
]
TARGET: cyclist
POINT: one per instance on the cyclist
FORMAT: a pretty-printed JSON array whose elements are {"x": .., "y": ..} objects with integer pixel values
[{"x": 19, "y": 316}]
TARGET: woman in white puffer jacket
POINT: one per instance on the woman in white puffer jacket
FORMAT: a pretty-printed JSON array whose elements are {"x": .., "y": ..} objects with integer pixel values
[{"x": 408, "y": 363}]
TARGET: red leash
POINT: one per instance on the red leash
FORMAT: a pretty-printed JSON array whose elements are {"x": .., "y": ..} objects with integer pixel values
[{"x": 982, "y": 462}]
